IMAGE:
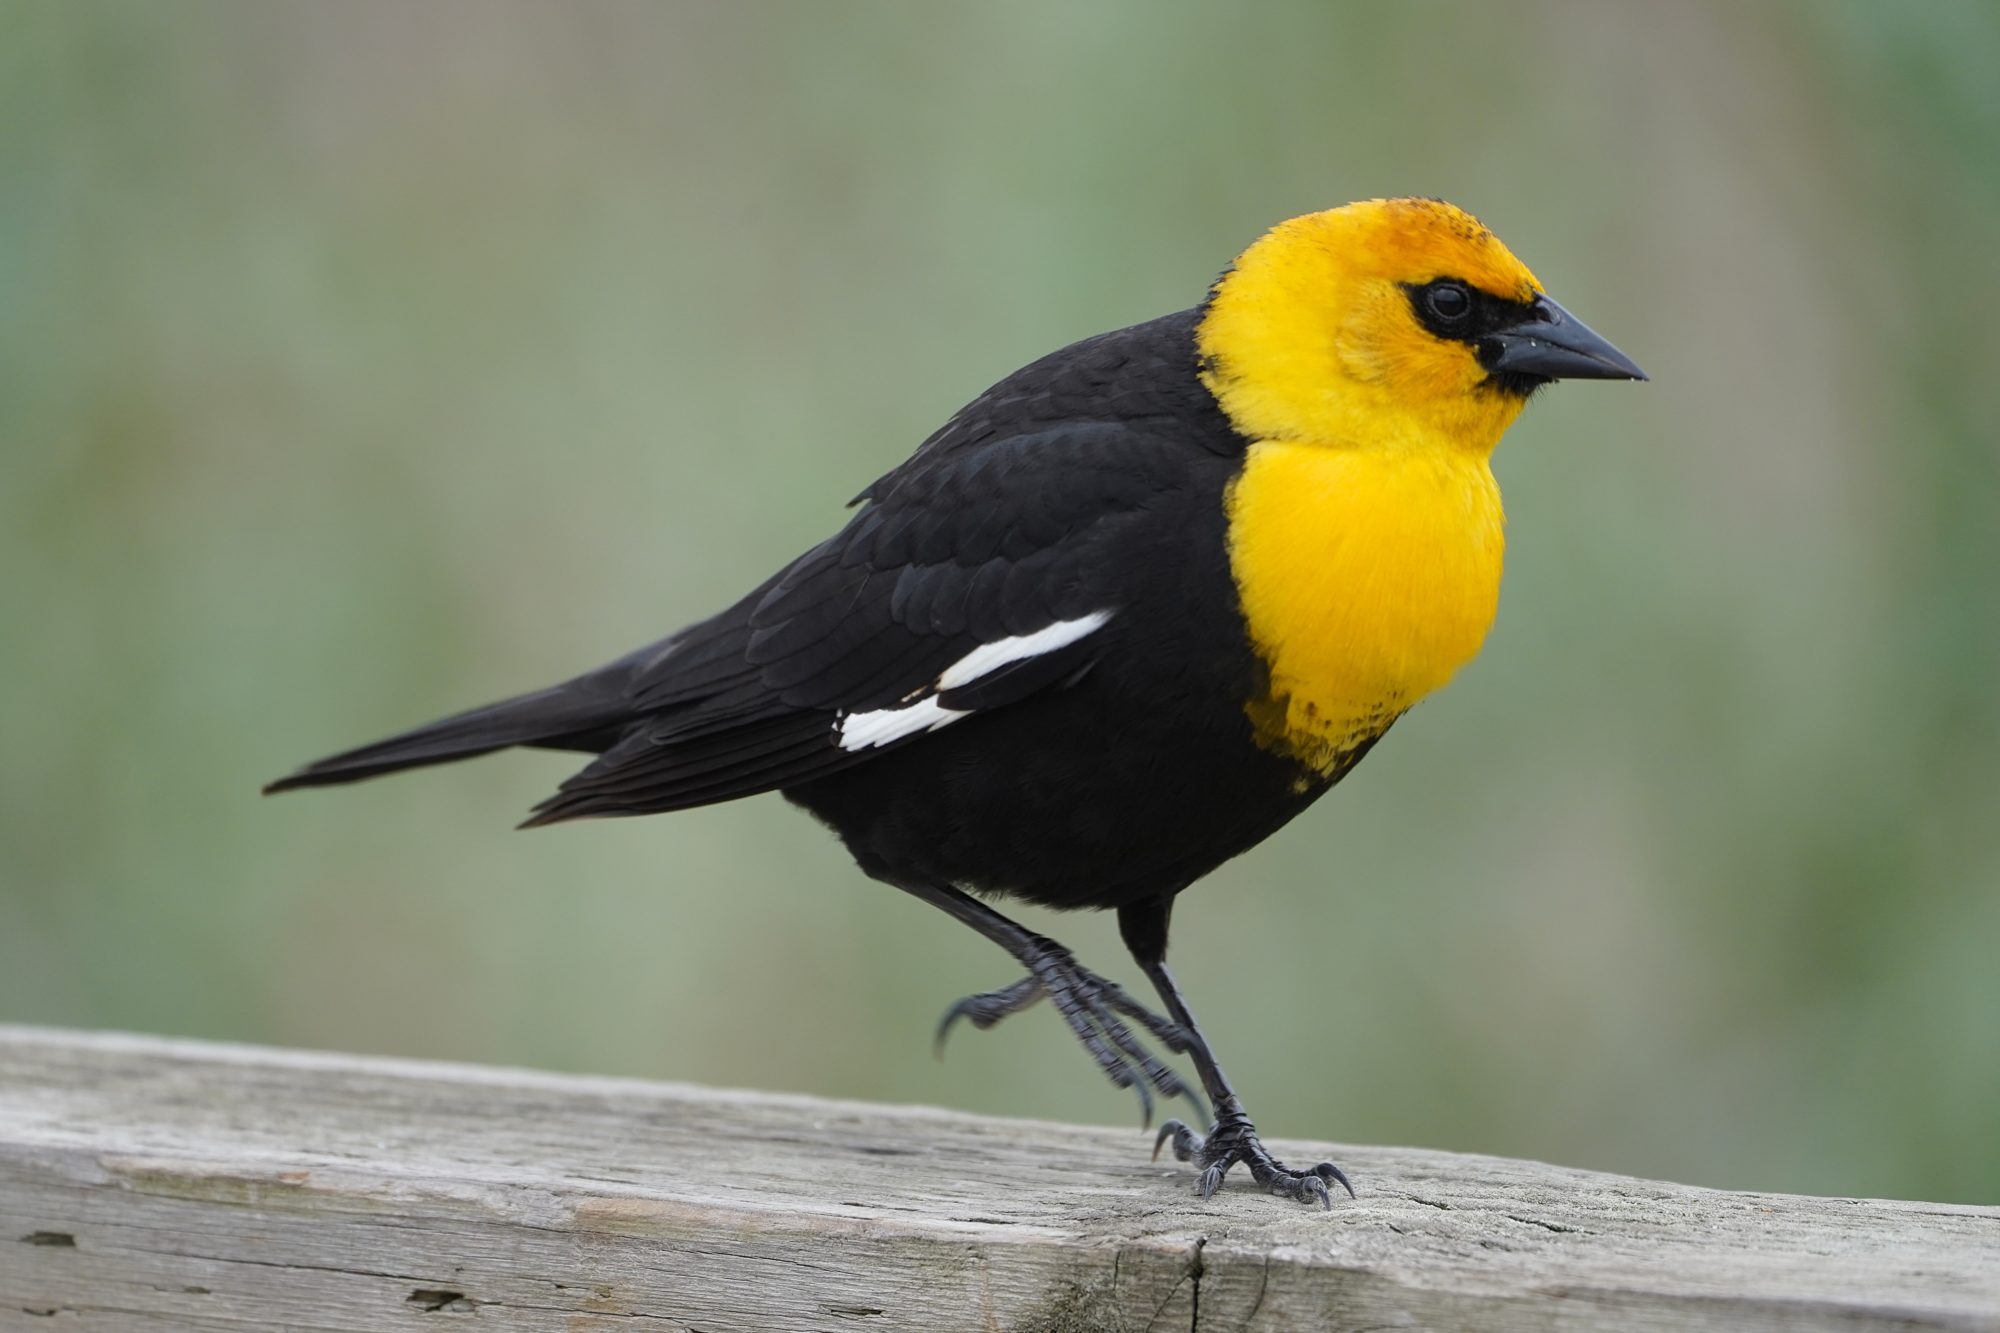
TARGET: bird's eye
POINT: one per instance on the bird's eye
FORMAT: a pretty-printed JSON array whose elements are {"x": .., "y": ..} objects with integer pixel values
[{"x": 1449, "y": 301}]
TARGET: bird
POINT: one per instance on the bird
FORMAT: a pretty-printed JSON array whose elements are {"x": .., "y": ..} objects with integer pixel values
[{"x": 1122, "y": 617}]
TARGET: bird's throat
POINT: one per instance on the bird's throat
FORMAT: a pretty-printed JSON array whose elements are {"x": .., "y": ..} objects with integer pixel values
[{"x": 1366, "y": 577}]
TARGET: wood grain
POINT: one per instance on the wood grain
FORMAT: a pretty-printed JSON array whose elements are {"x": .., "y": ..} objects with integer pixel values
[{"x": 149, "y": 1185}]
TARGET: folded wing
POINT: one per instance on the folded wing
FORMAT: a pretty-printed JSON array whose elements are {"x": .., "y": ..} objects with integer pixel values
[{"x": 966, "y": 583}]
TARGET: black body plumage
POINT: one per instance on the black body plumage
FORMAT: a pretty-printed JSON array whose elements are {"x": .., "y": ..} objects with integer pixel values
[{"x": 1115, "y": 768}]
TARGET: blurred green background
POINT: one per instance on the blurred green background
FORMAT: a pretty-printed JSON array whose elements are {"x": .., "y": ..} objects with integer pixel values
[{"x": 362, "y": 362}]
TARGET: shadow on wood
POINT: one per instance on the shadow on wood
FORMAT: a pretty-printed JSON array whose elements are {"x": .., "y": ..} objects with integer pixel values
[{"x": 169, "y": 1185}]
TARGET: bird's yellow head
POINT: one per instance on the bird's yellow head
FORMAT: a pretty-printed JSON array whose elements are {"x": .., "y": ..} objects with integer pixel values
[{"x": 1393, "y": 323}]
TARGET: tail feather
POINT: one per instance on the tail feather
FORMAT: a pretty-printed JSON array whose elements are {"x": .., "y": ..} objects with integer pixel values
[{"x": 586, "y": 714}]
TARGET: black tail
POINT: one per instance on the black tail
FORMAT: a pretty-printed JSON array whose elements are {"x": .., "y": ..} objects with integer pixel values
[{"x": 588, "y": 714}]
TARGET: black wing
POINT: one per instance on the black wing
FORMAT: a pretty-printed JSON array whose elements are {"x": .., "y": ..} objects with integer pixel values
[
  {"x": 983, "y": 562},
  {"x": 976, "y": 574}
]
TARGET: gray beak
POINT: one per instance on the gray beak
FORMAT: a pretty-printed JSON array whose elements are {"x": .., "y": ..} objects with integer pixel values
[{"x": 1555, "y": 345}]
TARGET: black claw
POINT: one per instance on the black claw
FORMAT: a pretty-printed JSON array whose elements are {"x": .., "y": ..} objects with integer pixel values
[
  {"x": 1328, "y": 1171},
  {"x": 951, "y": 1016},
  {"x": 1233, "y": 1139},
  {"x": 1145, "y": 1102}
]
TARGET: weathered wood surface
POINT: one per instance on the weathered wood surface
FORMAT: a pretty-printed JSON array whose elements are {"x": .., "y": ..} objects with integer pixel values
[{"x": 169, "y": 1185}]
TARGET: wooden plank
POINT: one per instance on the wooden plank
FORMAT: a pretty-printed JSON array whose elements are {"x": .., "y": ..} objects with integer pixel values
[{"x": 170, "y": 1185}]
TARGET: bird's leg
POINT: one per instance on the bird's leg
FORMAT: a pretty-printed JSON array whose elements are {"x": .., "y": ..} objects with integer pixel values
[
  {"x": 1087, "y": 1002},
  {"x": 989, "y": 1007},
  {"x": 1232, "y": 1138}
]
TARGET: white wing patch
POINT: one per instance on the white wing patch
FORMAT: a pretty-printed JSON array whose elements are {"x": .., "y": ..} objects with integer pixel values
[
  {"x": 989, "y": 657},
  {"x": 862, "y": 731}
]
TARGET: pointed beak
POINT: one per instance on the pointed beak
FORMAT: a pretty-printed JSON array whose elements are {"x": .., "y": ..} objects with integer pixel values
[{"x": 1555, "y": 345}]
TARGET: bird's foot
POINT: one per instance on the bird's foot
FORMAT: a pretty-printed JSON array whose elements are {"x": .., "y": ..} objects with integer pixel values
[
  {"x": 1092, "y": 1007},
  {"x": 1233, "y": 1139}
]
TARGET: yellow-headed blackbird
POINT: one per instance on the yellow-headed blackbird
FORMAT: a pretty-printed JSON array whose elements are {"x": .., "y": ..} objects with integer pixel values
[{"x": 1127, "y": 613}]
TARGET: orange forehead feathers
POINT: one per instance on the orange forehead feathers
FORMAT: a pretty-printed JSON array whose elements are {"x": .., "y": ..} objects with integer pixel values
[{"x": 1410, "y": 240}]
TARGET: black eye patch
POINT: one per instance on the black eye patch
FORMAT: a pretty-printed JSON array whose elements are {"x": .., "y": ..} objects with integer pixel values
[{"x": 1455, "y": 309}]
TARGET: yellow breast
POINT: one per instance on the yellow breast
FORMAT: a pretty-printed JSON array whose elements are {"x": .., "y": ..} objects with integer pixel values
[{"x": 1367, "y": 577}]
